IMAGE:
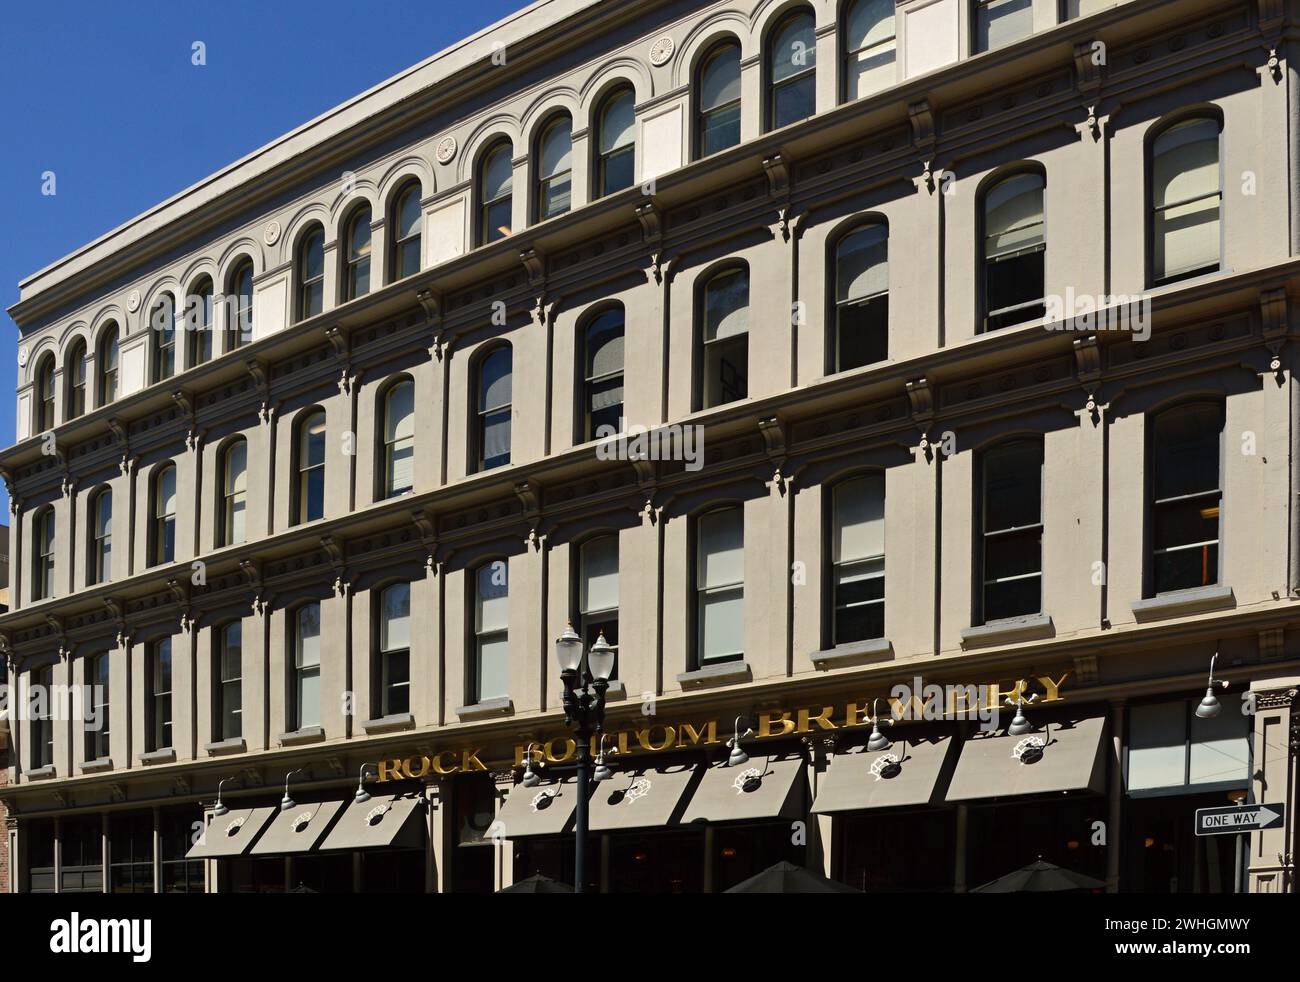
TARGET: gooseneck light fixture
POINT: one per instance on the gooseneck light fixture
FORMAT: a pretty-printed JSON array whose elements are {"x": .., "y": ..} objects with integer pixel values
[
  {"x": 286, "y": 802},
  {"x": 1019, "y": 724},
  {"x": 737, "y": 757},
  {"x": 878, "y": 741},
  {"x": 362, "y": 795},
  {"x": 1209, "y": 706},
  {"x": 603, "y": 771},
  {"x": 531, "y": 777},
  {"x": 221, "y": 810}
]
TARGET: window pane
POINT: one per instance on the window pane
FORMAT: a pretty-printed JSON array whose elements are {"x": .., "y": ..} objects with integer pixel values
[
  {"x": 495, "y": 381},
  {"x": 599, "y": 587},
  {"x": 1220, "y": 748},
  {"x": 605, "y": 344},
  {"x": 726, "y": 364},
  {"x": 493, "y": 667},
  {"x": 794, "y": 49},
  {"x": 1012, "y": 486},
  {"x": 794, "y": 101},
  {"x": 359, "y": 236},
  {"x": 859, "y": 521},
  {"x": 167, "y": 492},
  {"x": 307, "y": 649},
  {"x": 618, "y": 122},
  {"x": 498, "y": 174},
  {"x": 859, "y": 595},
  {"x": 557, "y": 149},
  {"x": 493, "y": 606},
  {"x": 309, "y": 698},
  {"x": 1185, "y": 450},
  {"x": 720, "y": 80},
  {"x": 722, "y": 633},
  {"x": 726, "y": 305},
  {"x": 722, "y": 548},
  {"x": 312, "y": 451},
  {"x": 1157, "y": 755},
  {"x": 236, "y": 467},
  {"x": 999, "y": 22},
  {"x": 862, "y": 333},
  {"x": 862, "y": 263},
  {"x": 408, "y": 213},
  {"x": 1082, "y": 8},
  {"x": 1186, "y": 162},
  {"x": 395, "y": 618},
  {"x": 1186, "y": 237},
  {"x": 1014, "y": 215}
]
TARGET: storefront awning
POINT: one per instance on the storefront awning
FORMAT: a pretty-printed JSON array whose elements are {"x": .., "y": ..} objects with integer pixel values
[
  {"x": 298, "y": 829},
  {"x": 644, "y": 797},
  {"x": 765, "y": 787},
  {"x": 231, "y": 834},
  {"x": 383, "y": 822},
  {"x": 543, "y": 810},
  {"x": 907, "y": 773},
  {"x": 996, "y": 765}
]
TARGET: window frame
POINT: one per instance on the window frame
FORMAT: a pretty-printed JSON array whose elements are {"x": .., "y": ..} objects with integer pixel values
[
  {"x": 831, "y": 605},
  {"x": 589, "y": 382},
  {"x": 46, "y": 370},
  {"x": 44, "y": 553},
  {"x": 300, "y": 673},
  {"x": 401, "y": 243},
  {"x": 231, "y": 499},
  {"x": 702, "y": 115},
  {"x": 849, "y": 57},
  {"x": 1201, "y": 114},
  {"x": 163, "y": 341},
  {"x": 543, "y": 182},
  {"x": 223, "y": 683},
  {"x": 980, "y": 583},
  {"x": 98, "y": 671},
  {"x": 482, "y": 416},
  {"x": 605, "y": 159},
  {"x": 701, "y": 593},
  {"x": 304, "y": 472},
  {"x": 389, "y": 445},
  {"x": 100, "y": 568},
  {"x": 589, "y": 621},
  {"x": 835, "y": 347},
  {"x": 239, "y": 331},
  {"x": 310, "y": 290},
  {"x": 771, "y": 85},
  {"x": 987, "y": 315},
  {"x": 385, "y": 687},
  {"x": 352, "y": 264},
  {"x": 106, "y": 364},
  {"x": 704, "y": 354},
  {"x": 199, "y": 348},
  {"x": 74, "y": 371},
  {"x": 162, "y": 522},
  {"x": 159, "y": 723},
  {"x": 479, "y": 636},
  {"x": 487, "y": 234},
  {"x": 974, "y": 9},
  {"x": 41, "y": 726}
]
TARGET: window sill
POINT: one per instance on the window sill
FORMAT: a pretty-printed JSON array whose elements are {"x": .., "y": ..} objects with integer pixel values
[
  {"x": 308, "y": 734},
  {"x": 487, "y": 709},
  {"x": 853, "y": 653},
  {"x": 235, "y": 745},
  {"x": 97, "y": 765},
  {"x": 1010, "y": 629},
  {"x": 1180, "y": 602},
  {"x": 389, "y": 724},
  {"x": 42, "y": 773},
  {"x": 165, "y": 756},
  {"x": 724, "y": 673}
]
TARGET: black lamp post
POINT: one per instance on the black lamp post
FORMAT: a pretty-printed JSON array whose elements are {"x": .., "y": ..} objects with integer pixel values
[{"x": 585, "y": 683}]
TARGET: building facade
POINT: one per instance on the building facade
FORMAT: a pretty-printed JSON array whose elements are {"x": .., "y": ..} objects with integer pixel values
[{"x": 851, "y": 366}]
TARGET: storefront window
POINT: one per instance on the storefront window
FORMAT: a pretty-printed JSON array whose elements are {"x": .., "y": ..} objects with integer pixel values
[
  {"x": 1003, "y": 838},
  {"x": 658, "y": 861},
  {"x": 897, "y": 851},
  {"x": 1163, "y": 853},
  {"x": 178, "y": 830},
  {"x": 130, "y": 853},
  {"x": 39, "y": 837},
  {"x": 552, "y": 856},
  {"x": 742, "y": 851},
  {"x": 82, "y": 844},
  {"x": 252, "y": 875},
  {"x": 473, "y": 862},
  {"x": 1171, "y": 748},
  {"x": 325, "y": 872}
]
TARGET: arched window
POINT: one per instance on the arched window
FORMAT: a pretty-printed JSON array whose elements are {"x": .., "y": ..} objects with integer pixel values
[
  {"x": 1186, "y": 497},
  {"x": 1186, "y": 200},
  {"x": 602, "y": 365},
  {"x": 159, "y": 686},
  {"x": 305, "y": 688},
  {"x": 198, "y": 322},
  {"x": 857, "y": 555},
  {"x": 106, "y": 365},
  {"x": 399, "y": 439},
  {"x": 311, "y": 467},
  {"x": 1011, "y": 530},
  {"x": 616, "y": 142},
  {"x": 234, "y": 493},
  {"x": 394, "y": 650},
  {"x": 870, "y": 48},
  {"x": 43, "y": 571},
  {"x": 164, "y": 515},
  {"x": 311, "y": 273},
  {"x": 162, "y": 322},
  {"x": 718, "y": 126},
  {"x": 74, "y": 374},
  {"x": 1015, "y": 250},
  {"x": 792, "y": 71},
  {"x": 356, "y": 274},
  {"x": 44, "y": 417},
  {"x": 598, "y": 591},
  {"x": 555, "y": 168},
  {"x": 97, "y": 678},
  {"x": 720, "y": 586},
  {"x": 861, "y": 335},
  {"x": 240, "y": 308},
  {"x": 101, "y": 537},
  {"x": 489, "y": 671},
  {"x": 494, "y": 387},
  {"x": 496, "y": 197},
  {"x": 230, "y": 682},
  {"x": 42, "y": 726},
  {"x": 999, "y": 22},
  {"x": 407, "y": 223},
  {"x": 724, "y": 309}
]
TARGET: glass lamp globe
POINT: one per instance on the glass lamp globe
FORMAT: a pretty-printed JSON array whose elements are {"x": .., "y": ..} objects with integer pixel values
[
  {"x": 568, "y": 650},
  {"x": 601, "y": 659}
]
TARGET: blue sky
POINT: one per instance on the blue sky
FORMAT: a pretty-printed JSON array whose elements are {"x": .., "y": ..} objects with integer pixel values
[{"x": 105, "y": 96}]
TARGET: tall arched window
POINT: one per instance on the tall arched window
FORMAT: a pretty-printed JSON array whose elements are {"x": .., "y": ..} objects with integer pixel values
[
  {"x": 496, "y": 194},
  {"x": 494, "y": 391},
  {"x": 857, "y": 557},
  {"x": 305, "y": 688},
  {"x": 1010, "y": 533},
  {"x": 602, "y": 386},
  {"x": 399, "y": 439},
  {"x": 74, "y": 375},
  {"x": 870, "y": 48},
  {"x": 1186, "y": 497},
  {"x": 162, "y": 323},
  {"x": 489, "y": 673},
  {"x": 101, "y": 537},
  {"x": 97, "y": 679},
  {"x": 720, "y": 586},
  {"x": 555, "y": 168},
  {"x": 234, "y": 493},
  {"x": 356, "y": 257},
  {"x": 44, "y": 416},
  {"x": 198, "y": 322},
  {"x": 311, "y": 467},
  {"x": 1186, "y": 200},
  {"x": 861, "y": 334},
  {"x": 158, "y": 733},
  {"x": 724, "y": 310},
  {"x": 598, "y": 591},
  {"x": 393, "y": 646},
  {"x": 164, "y": 515},
  {"x": 999, "y": 22},
  {"x": 616, "y": 142},
  {"x": 311, "y": 273},
  {"x": 718, "y": 126},
  {"x": 230, "y": 682},
  {"x": 1015, "y": 250},
  {"x": 407, "y": 224},
  {"x": 240, "y": 308},
  {"x": 792, "y": 71},
  {"x": 106, "y": 365},
  {"x": 43, "y": 568}
]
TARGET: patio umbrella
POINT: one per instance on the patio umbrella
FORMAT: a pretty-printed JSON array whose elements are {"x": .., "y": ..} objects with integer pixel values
[
  {"x": 538, "y": 884},
  {"x": 1040, "y": 877},
  {"x": 302, "y": 888},
  {"x": 788, "y": 878}
]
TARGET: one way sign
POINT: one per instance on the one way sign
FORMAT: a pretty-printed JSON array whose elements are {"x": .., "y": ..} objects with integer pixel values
[{"x": 1240, "y": 818}]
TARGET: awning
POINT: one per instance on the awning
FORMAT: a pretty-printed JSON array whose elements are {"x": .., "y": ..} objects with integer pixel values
[
  {"x": 644, "y": 797},
  {"x": 543, "y": 810},
  {"x": 765, "y": 787},
  {"x": 907, "y": 773},
  {"x": 298, "y": 829},
  {"x": 995, "y": 765},
  {"x": 231, "y": 834},
  {"x": 380, "y": 823}
]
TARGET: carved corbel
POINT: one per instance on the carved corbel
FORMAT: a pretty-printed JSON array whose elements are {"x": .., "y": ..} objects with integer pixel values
[
  {"x": 1087, "y": 369},
  {"x": 15, "y": 502},
  {"x": 534, "y": 266},
  {"x": 343, "y": 355},
  {"x": 777, "y": 169},
  {"x": 338, "y": 562},
  {"x": 775, "y": 434},
  {"x": 56, "y": 625},
  {"x": 428, "y": 529},
  {"x": 186, "y": 405},
  {"x": 257, "y": 370},
  {"x": 1273, "y": 315},
  {"x": 432, "y": 307},
  {"x": 651, "y": 226}
]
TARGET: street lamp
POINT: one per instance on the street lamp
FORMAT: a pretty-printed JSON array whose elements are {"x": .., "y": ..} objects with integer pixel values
[
  {"x": 286, "y": 802},
  {"x": 220, "y": 808},
  {"x": 585, "y": 683},
  {"x": 1209, "y": 706},
  {"x": 362, "y": 795}
]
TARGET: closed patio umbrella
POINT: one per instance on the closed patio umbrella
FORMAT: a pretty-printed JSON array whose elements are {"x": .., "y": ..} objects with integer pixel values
[
  {"x": 538, "y": 884},
  {"x": 1040, "y": 877},
  {"x": 789, "y": 878}
]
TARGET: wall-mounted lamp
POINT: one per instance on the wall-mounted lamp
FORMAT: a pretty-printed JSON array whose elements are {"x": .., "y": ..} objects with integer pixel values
[
  {"x": 878, "y": 740},
  {"x": 603, "y": 771},
  {"x": 531, "y": 777},
  {"x": 738, "y": 756},
  {"x": 286, "y": 802},
  {"x": 362, "y": 795},
  {"x": 1019, "y": 724},
  {"x": 220, "y": 809},
  {"x": 1209, "y": 707}
]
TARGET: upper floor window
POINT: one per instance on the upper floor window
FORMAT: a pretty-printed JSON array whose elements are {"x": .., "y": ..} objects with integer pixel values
[
  {"x": 356, "y": 274},
  {"x": 164, "y": 515},
  {"x": 198, "y": 322},
  {"x": 598, "y": 592},
  {"x": 495, "y": 382},
  {"x": 496, "y": 194},
  {"x": 74, "y": 373},
  {"x": 1015, "y": 248},
  {"x": 305, "y": 687},
  {"x": 101, "y": 537},
  {"x": 234, "y": 493},
  {"x": 1011, "y": 530},
  {"x": 240, "y": 308},
  {"x": 870, "y": 48},
  {"x": 106, "y": 363},
  {"x": 602, "y": 362},
  {"x": 41, "y": 681},
  {"x": 719, "y": 108},
  {"x": 999, "y": 22},
  {"x": 311, "y": 273},
  {"x": 311, "y": 467},
  {"x": 97, "y": 679},
  {"x": 394, "y": 647},
  {"x": 725, "y": 337},
  {"x": 1186, "y": 497},
  {"x": 44, "y": 395},
  {"x": 1186, "y": 200},
  {"x": 162, "y": 324},
  {"x": 616, "y": 142},
  {"x": 159, "y": 682},
  {"x": 861, "y": 334},
  {"x": 43, "y": 573},
  {"x": 792, "y": 71},
  {"x": 555, "y": 168},
  {"x": 489, "y": 673},
  {"x": 407, "y": 224},
  {"x": 720, "y": 586},
  {"x": 229, "y": 673},
  {"x": 399, "y": 438},
  {"x": 857, "y": 555}
]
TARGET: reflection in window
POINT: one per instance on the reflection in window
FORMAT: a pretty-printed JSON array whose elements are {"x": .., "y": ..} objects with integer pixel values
[
  {"x": 616, "y": 146},
  {"x": 1186, "y": 497},
  {"x": 603, "y": 375},
  {"x": 494, "y": 409},
  {"x": 720, "y": 586},
  {"x": 719, "y": 87},
  {"x": 555, "y": 169},
  {"x": 870, "y": 48},
  {"x": 792, "y": 71},
  {"x": 1187, "y": 197},
  {"x": 725, "y": 334},
  {"x": 1014, "y": 251},
  {"x": 861, "y": 298}
]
